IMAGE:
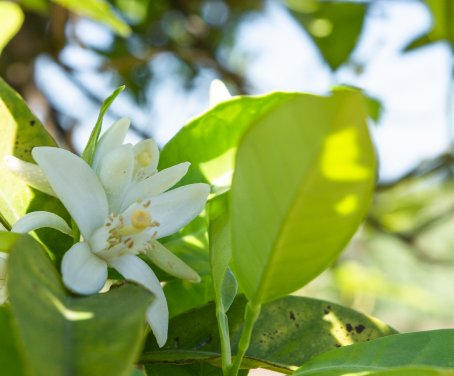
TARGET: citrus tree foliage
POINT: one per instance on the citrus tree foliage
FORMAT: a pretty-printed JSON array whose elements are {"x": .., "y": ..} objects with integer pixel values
[{"x": 269, "y": 230}]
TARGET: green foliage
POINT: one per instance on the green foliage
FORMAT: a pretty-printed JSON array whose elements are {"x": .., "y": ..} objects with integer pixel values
[
  {"x": 289, "y": 224},
  {"x": 65, "y": 335},
  {"x": 11, "y": 18},
  {"x": 442, "y": 20},
  {"x": 209, "y": 142},
  {"x": 10, "y": 362},
  {"x": 99, "y": 10},
  {"x": 21, "y": 131},
  {"x": 288, "y": 332},
  {"x": 422, "y": 349},
  {"x": 89, "y": 151},
  {"x": 335, "y": 27}
]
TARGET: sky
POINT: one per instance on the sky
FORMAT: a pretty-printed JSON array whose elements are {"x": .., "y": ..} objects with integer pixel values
[{"x": 412, "y": 86}]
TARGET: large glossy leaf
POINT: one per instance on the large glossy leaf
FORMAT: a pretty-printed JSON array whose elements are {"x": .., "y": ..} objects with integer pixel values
[
  {"x": 20, "y": 131},
  {"x": 335, "y": 27},
  {"x": 66, "y": 335},
  {"x": 10, "y": 361},
  {"x": 199, "y": 369},
  {"x": 409, "y": 371},
  {"x": 209, "y": 142},
  {"x": 431, "y": 349},
  {"x": 98, "y": 10},
  {"x": 11, "y": 18},
  {"x": 288, "y": 332},
  {"x": 442, "y": 13},
  {"x": 302, "y": 185}
]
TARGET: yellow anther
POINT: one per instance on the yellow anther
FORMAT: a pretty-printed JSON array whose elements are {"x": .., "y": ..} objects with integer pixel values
[
  {"x": 144, "y": 158},
  {"x": 141, "y": 219}
]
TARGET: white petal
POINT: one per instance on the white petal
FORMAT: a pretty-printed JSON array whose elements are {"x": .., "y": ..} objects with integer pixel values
[
  {"x": 176, "y": 208},
  {"x": 147, "y": 158},
  {"x": 115, "y": 172},
  {"x": 218, "y": 92},
  {"x": 134, "y": 269},
  {"x": 155, "y": 184},
  {"x": 76, "y": 185},
  {"x": 38, "y": 219},
  {"x": 167, "y": 261},
  {"x": 29, "y": 173},
  {"x": 3, "y": 275},
  {"x": 111, "y": 139},
  {"x": 82, "y": 271}
]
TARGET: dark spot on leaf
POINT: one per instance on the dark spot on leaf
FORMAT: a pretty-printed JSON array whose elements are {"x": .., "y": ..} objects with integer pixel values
[
  {"x": 32, "y": 122},
  {"x": 359, "y": 328},
  {"x": 292, "y": 315},
  {"x": 176, "y": 342},
  {"x": 203, "y": 343},
  {"x": 337, "y": 345},
  {"x": 349, "y": 327},
  {"x": 327, "y": 310}
]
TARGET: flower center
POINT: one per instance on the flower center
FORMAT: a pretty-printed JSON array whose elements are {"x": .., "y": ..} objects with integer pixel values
[
  {"x": 140, "y": 221},
  {"x": 144, "y": 158}
]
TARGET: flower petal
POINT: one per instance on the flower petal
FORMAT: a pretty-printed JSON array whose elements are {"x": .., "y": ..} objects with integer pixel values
[
  {"x": 38, "y": 219},
  {"x": 115, "y": 172},
  {"x": 29, "y": 173},
  {"x": 76, "y": 185},
  {"x": 111, "y": 139},
  {"x": 155, "y": 184},
  {"x": 82, "y": 271},
  {"x": 134, "y": 269},
  {"x": 147, "y": 158},
  {"x": 167, "y": 261},
  {"x": 176, "y": 208}
]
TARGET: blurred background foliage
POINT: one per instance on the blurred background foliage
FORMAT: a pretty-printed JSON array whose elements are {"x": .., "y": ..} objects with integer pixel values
[{"x": 65, "y": 56}]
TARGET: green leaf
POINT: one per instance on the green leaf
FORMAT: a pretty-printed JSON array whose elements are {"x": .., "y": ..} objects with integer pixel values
[
  {"x": 11, "y": 19},
  {"x": 407, "y": 371},
  {"x": 98, "y": 10},
  {"x": 66, "y": 335},
  {"x": 225, "y": 286},
  {"x": 334, "y": 27},
  {"x": 20, "y": 131},
  {"x": 199, "y": 369},
  {"x": 89, "y": 151},
  {"x": 302, "y": 185},
  {"x": 442, "y": 12},
  {"x": 288, "y": 332},
  {"x": 10, "y": 361},
  {"x": 183, "y": 296},
  {"x": 209, "y": 142},
  {"x": 431, "y": 348}
]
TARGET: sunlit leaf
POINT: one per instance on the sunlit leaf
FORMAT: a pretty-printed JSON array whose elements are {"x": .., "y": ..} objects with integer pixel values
[
  {"x": 11, "y": 19},
  {"x": 334, "y": 27},
  {"x": 302, "y": 185},
  {"x": 209, "y": 142},
  {"x": 442, "y": 13},
  {"x": 65, "y": 335},
  {"x": 431, "y": 349},
  {"x": 98, "y": 10},
  {"x": 20, "y": 131},
  {"x": 288, "y": 332}
]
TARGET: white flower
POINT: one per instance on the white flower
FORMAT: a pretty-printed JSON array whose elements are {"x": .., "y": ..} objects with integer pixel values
[
  {"x": 115, "y": 231},
  {"x": 3, "y": 275}
]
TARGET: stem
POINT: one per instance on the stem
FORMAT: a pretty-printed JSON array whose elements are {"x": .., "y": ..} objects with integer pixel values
[
  {"x": 250, "y": 317},
  {"x": 223, "y": 326}
]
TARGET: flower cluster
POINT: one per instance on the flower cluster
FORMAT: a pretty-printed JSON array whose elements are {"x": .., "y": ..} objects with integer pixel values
[{"x": 122, "y": 206}]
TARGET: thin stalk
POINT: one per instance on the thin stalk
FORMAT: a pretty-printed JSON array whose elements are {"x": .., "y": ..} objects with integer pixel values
[
  {"x": 76, "y": 232},
  {"x": 250, "y": 317},
  {"x": 223, "y": 326}
]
